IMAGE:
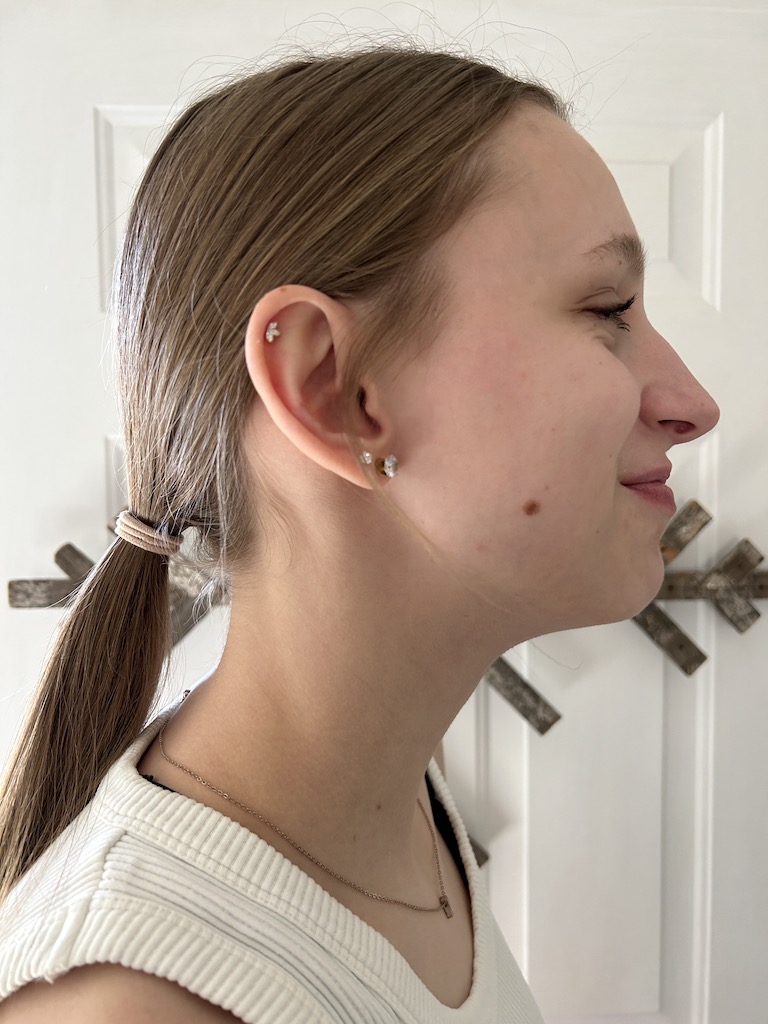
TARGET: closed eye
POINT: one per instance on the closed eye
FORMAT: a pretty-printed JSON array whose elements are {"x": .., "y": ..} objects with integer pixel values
[{"x": 614, "y": 313}]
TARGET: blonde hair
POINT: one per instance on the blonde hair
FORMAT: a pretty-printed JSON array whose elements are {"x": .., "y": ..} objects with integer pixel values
[{"x": 336, "y": 173}]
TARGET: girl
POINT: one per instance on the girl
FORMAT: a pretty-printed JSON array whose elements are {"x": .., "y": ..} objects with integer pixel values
[{"x": 383, "y": 355}]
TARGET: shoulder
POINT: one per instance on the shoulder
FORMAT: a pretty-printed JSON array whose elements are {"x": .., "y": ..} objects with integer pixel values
[{"x": 109, "y": 994}]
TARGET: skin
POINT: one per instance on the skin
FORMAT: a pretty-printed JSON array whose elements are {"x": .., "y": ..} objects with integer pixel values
[
  {"x": 356, "y": 638},
  {"x": 525, "y": 418}
]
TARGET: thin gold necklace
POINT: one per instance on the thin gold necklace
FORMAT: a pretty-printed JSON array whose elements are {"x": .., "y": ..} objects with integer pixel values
[{"x": 443, "y": 905}]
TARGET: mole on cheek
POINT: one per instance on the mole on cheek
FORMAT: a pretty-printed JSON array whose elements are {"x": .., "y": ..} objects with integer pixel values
[{"x": 531, "y": 508}]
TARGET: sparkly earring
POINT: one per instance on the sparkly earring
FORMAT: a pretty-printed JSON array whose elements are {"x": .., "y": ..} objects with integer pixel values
[
  {"x": 387, "y": 467},
  {"x": 272, "y": 332},
  {"x": 384, "y": 467}
]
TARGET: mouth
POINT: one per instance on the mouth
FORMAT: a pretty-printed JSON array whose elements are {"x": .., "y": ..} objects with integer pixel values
[{"x": 652, "y": 486}]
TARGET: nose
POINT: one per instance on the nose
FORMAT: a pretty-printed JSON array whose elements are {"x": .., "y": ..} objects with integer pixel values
[{"x": 673, "y": 399}]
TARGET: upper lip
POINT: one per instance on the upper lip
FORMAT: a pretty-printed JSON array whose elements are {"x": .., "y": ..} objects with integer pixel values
[{"x": 652, "y": 476}]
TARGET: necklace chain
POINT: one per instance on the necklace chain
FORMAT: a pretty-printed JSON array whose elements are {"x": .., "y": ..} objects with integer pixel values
[{"x": 443, "y": 905}]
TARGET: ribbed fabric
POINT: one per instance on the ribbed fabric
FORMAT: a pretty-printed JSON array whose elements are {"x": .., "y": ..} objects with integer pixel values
[{"x": 157, "y": 882}]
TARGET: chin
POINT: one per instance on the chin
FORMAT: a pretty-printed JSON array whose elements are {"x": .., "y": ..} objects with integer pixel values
[
  {"x": 633, "y": 600},
  {"x": 627, "y": 598}
]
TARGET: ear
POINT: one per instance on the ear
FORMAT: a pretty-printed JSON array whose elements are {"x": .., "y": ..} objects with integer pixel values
[{"x": 298, "y": 377}]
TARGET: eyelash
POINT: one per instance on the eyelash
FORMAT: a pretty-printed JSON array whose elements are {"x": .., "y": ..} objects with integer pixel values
[{"x": 613, "y": 313}]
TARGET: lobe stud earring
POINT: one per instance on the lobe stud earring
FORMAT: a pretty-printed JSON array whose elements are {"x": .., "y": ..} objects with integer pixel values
[
  {"x": 384, "y": 467},
  {"x": 272, "y": 332},
  {"x": 387, "y": 466}
]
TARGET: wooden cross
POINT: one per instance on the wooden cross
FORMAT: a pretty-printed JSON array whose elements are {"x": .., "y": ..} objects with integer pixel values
[
  {"x": 49, "y": 593},
  {"x": 731, "y": 586},
  {"x": 185, "y": 587},
  {"x": 522, "y": 696}
]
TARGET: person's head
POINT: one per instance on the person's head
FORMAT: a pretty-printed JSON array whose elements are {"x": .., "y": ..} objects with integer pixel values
[
  {"x": 337, "y": 174},
  {"x": 531, "y": 409},
  {"x": 394, "y": 207},
  {"x": 532, "y": 433}
]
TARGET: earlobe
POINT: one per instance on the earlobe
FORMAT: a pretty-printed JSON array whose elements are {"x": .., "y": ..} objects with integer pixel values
[
  {"x": 387, "y": 466},
  {"x": 295, "y": 345}
]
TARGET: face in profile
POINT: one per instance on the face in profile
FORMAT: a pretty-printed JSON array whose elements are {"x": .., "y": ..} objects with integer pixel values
[{"x": 542, "y": 417}]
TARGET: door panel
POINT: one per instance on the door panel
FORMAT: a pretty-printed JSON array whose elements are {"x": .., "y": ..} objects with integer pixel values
[
  {"x": 627, "y": 845},
  {"x": 631, "y": 827}
]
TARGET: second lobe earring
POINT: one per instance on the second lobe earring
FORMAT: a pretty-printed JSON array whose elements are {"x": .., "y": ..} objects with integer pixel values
[{"x": 387, "y": 466}]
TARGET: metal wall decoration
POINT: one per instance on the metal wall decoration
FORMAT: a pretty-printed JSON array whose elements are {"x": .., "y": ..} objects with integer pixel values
[{"x": 731, "y": 586}]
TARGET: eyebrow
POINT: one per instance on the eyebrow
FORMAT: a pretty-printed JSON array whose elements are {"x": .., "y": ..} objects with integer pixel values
[{"x": 625, "y": 248}]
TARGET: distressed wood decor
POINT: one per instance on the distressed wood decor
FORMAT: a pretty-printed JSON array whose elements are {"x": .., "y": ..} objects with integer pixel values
[
  {"x": 522, "y": 696},
  {"x": 49, "y": 593},
  {"x": 187, "y": 608},
  {"x": 186, "y": 586},
  {"x": 731, "y": 586}
]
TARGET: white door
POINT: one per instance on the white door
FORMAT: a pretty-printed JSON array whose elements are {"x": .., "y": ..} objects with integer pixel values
[{"x": 627, "y": 845}]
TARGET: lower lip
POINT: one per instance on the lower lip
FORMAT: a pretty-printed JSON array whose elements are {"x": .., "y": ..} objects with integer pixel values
[{"x": 655, "y": 492}]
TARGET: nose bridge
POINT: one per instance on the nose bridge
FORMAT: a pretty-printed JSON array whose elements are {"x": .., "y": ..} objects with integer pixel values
[{"x": 673, "y": 395}]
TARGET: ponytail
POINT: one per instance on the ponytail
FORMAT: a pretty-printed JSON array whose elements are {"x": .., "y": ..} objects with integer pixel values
[{"x": 94, "y": 697}]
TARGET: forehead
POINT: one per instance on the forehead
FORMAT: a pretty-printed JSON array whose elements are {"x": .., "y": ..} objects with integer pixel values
[{"x": 552, "y": 207}]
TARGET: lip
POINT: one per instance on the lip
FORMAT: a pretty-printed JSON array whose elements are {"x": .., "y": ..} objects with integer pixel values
[
  {"x": 658, "y": 475},
  {"x": 657, "y": 492},
  {"x": 652, "y": 485}
]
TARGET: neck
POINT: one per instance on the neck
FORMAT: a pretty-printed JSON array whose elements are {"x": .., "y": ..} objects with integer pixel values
[{"x": 327, "y": 705}]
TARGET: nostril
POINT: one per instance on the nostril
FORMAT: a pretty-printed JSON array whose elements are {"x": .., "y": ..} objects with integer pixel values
[{"x": 679, "y": 426}]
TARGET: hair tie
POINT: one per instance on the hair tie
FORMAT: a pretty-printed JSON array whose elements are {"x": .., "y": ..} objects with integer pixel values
[{"x": 131, "y": 528}]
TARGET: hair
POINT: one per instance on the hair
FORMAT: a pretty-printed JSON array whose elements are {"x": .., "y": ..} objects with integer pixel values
[{"x": 338, "y": 173}]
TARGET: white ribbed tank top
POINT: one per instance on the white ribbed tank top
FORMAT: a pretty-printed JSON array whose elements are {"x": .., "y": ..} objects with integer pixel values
[{"x": 157, "y": 882}]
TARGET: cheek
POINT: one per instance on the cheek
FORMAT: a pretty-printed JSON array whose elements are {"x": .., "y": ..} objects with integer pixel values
[
  {"x": 526, "y": 430},
  {"x": 570, "y": 439}
]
